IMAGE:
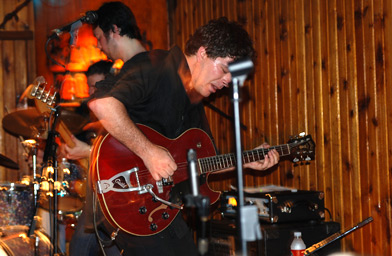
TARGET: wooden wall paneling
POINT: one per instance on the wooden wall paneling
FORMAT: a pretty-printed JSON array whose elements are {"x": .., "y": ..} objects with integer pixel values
[
  {"x": 271, "y": 81},
  {"x": 308, "y": 176},
  {"x": 275, "y": 86},
  {"x": 388, "y": 95},
  {"x": 354, "y": 241},
  {"x": 254, "y": 87},
  {"x": 346, "y": 177},
  {"x": 15, "y": 68},
  {"x": 260, "y": 74},
  {"x": 300, "y": 87},
  {"x": 9, "y": 102},
  {"x": 323, "y": 138},
  {"x": 318, "y": 163},
  {"x": 363, "y": 101},
  {"x": 334, "y": 122},
  {"x": 281, "y": 85},
  {"x": 248, "y": 92},
  {"x": 289, "y": 127},
  {"x": 380, "y": 123},
  {"x": 371, "y": 112}
]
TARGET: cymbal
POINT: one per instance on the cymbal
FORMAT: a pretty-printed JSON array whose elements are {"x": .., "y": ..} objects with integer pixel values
[
  {"x": 6, "y": 162},
  {"x": 29, "y": 123}
]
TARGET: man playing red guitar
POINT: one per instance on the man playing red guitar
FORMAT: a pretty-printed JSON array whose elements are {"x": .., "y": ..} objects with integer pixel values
[{"x": 164, "y": 90}]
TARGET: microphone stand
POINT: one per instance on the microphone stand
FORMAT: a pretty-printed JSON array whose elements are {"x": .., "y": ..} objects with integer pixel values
[
  {"x": 202, "y": 203},
  {"x": 51, "y": 160},
  {"x": 247, "y": 215}
]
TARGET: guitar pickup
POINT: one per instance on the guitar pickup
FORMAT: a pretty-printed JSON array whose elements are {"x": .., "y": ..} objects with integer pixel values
[{"x": 120, "y": 183}]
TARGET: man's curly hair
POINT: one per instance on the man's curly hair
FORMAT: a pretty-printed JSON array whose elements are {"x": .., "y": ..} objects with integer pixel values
[{"x": 221, "y": 38}]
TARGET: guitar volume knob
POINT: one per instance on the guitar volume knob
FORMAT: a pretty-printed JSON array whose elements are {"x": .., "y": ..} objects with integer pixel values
[
  {"x": 153, "y": 226},
  {"x": 165, "y": 215},
  {"x": 142, "y": 210}
]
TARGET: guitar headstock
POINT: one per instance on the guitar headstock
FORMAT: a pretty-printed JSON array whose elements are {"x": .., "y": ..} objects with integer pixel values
[
  {"x": 302, "y": 148},
  {"x": 41, "y": 95}
]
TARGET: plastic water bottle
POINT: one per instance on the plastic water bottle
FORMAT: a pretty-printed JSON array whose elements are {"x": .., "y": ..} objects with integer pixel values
[{"x": 298, "y": 246}]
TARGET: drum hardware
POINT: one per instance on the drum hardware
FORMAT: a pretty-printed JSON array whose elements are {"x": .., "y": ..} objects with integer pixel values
[
  {"x": 6, "y": 162},
  {"x": 52, "y": 179}
]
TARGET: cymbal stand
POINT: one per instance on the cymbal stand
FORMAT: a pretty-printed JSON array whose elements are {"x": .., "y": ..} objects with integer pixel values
[{"x": 30, "y": 146}]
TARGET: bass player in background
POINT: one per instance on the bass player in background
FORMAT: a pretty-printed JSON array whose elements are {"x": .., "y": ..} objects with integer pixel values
[
  {"x": 164, "y": 90},
  {"x": 84, "y": 240}
]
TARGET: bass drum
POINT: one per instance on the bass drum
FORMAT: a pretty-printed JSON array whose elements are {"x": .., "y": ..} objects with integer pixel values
[
  {"x": 16, "y": 204},
  {"x": 14, "y": 241}
]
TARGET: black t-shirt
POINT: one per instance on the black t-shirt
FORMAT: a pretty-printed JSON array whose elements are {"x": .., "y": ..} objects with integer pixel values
[{"x": 152, "y": 91}]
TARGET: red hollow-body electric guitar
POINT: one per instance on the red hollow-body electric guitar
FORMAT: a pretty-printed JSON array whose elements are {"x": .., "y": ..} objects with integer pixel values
[{"x": 137, "y": 204}]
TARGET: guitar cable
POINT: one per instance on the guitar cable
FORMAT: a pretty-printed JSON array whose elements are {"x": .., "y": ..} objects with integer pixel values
[{"x": 102, "y": 242}]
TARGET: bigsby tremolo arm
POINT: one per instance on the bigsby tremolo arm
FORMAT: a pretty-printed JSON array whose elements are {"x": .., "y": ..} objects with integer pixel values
[{"x": 149, "y": 190}]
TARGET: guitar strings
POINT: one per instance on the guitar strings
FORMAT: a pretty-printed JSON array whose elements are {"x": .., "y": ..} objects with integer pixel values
[{"x": 211, "y": 163}]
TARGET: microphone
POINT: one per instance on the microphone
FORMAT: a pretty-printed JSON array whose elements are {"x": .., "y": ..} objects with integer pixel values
[
  {"x": 90, "y": 18},
  {"x": 192, "y": 158},
  {"x": 240, "y": 69}
]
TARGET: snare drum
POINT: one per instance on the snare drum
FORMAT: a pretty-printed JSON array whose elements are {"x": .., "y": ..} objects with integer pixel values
[
  {"x": 14, "y": 241},
  {"x": 16, "y": 204}
]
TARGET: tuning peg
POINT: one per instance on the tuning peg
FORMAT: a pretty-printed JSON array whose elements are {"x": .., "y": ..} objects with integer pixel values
[{"x": 52, "y": 98}]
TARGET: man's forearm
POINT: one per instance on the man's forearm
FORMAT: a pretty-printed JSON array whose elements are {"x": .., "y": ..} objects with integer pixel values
[{"x": 114, "y": 118}]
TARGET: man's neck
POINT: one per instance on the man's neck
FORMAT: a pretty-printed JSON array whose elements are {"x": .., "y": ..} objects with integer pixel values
[
  {"x": 188, "y": 82},
  {"x": 129, "y": 48}
]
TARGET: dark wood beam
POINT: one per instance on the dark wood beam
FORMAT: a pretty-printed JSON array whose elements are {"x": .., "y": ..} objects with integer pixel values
[{"x": 16, "y": 35}]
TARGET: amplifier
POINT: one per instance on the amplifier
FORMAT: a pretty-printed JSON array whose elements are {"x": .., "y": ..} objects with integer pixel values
[
  {"x": 275, "y": 238},
  {"x": 279, "y": 206}
]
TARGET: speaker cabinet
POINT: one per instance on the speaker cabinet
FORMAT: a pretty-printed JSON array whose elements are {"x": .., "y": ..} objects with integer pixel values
[{"x": 276, "y": 238}]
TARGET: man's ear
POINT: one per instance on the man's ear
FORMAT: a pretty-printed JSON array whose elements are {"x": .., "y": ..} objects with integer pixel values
[
  {"x": 115, "y": 30},
  {"x": 201, "y": 53}
]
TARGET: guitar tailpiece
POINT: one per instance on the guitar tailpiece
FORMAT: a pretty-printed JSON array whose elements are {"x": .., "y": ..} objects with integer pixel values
[{"x": 114, "y": 234}]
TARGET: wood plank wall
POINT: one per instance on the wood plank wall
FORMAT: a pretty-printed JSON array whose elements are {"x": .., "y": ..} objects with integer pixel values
[
  {"x": 323, "y": 67},
  {"x": 17, "y": 70}
]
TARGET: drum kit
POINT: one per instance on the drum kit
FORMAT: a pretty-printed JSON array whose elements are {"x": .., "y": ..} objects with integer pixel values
[{"x": 32, "y": 208}]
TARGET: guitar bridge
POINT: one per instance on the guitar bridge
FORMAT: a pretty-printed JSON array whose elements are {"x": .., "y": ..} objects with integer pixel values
[{"x": 121, "y": 182}]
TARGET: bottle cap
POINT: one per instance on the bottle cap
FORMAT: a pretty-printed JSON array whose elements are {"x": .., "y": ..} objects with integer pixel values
[{"x": 297, "y": 234}]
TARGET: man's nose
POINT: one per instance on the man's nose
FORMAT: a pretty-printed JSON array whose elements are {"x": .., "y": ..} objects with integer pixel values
[{"x": 226, "y": 79}]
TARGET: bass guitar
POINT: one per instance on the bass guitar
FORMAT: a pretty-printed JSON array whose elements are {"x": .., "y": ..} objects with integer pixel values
[
  {"x": 45, "y": 100},
  {"x": 137, "y": 204}
]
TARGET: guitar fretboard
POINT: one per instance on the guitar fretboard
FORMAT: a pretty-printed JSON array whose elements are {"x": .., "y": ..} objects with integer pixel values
[{"x": 220, "y": 162}]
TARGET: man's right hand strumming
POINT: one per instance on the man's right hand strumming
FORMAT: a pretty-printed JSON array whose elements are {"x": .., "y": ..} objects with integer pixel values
[{"x": 159, "y": 162}]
